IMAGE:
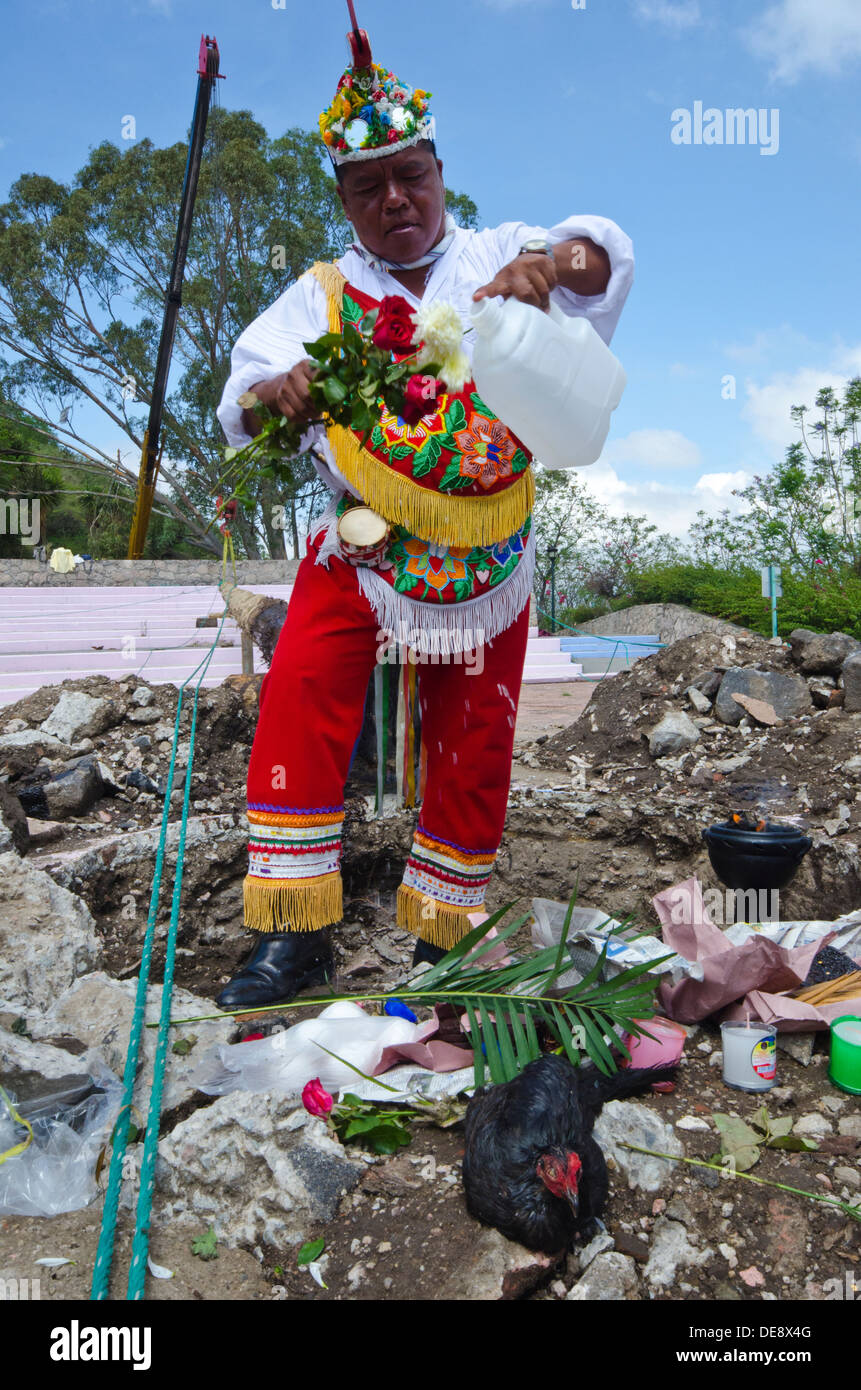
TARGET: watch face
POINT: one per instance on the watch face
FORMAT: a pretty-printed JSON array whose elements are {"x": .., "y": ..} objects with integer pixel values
[{"x": 536, "y": 245}]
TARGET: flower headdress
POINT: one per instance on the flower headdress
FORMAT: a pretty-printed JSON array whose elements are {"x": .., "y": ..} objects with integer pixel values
[{"x": 374, "y": 114}]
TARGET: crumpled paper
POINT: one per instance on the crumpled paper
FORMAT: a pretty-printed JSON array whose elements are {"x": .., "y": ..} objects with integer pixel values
[{"x": 759, "y": 969}]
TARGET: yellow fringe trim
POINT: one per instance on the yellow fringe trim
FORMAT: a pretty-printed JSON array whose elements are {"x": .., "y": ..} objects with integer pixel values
[
  {"x": 286, "y": 818},
  {"x": 460, "y": 521},
  {"x": 446, "y": 927},
  {"x": 308, "y": 905},
  {"x": 430, "y": 515},
  {"x": 450, "y": 853}
]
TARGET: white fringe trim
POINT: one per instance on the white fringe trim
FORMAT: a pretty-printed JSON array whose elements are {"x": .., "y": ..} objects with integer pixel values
[
  {"x": 426, "y": 130},
  {"x": 328, "y": 521},
  {"x": 441, "y": 629}
]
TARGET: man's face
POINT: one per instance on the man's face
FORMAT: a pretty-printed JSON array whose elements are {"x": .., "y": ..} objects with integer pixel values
[{"x": 396, "y": 203}]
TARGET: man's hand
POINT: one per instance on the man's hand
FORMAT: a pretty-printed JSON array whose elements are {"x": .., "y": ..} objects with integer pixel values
[
  {"x": 286, "y": 394},
  {"x": 578, "y": 265},
  {"x": 529, "y": 278}
]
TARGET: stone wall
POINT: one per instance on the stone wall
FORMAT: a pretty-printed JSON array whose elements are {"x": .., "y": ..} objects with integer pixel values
[
  {"x": 141, "y": 573},
  {"x": 668, "y": 621}
]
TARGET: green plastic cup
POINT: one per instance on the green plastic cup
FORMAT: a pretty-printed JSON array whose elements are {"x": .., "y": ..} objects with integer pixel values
[{"x": 845, "y": 1067}]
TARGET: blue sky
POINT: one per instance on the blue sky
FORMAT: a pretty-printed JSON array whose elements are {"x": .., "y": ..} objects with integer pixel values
[{"x": 747, "y": 262}]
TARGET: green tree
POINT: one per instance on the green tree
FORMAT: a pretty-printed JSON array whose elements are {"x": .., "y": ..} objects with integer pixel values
[{"x": 83, "y": 270}]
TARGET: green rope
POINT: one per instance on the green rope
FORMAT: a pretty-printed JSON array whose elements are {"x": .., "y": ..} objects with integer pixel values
[{"x": 107, "y": 1235}]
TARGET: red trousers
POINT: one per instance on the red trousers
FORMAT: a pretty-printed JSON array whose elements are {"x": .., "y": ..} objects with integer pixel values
[{"x": 311, "y": 707}]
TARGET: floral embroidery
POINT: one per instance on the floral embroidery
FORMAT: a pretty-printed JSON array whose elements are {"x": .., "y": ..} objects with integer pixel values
[
  {"x": 397, "y": 431},
  {"x": 487, "y": 450},
  {"x": 438, "y": 565}
]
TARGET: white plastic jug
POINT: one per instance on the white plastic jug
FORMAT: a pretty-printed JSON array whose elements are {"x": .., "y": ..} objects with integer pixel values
[{"x": 550, "y": 378}]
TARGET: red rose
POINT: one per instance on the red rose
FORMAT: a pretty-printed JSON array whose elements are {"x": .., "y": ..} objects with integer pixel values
[
  {"x": 394, "y": 137},
  {"x": 316, "y": 1099},
  {"x": 394, "y": 329},
  {"x": 420, "y": 398}
]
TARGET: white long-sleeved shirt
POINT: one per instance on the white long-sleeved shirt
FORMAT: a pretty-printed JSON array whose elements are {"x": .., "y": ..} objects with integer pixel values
[{"x": 273, "y": 343}]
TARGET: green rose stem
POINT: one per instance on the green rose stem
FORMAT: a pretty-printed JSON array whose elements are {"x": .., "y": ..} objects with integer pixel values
[{"x": 749, "y": 1177}]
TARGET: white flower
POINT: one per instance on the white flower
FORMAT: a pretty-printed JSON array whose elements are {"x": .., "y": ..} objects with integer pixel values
[
  {"x": 455, "y": 370},
  {"x": 440, "y": 328}
]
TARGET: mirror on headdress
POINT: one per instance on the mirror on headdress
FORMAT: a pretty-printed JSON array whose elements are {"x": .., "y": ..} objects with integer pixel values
[
  {"x": 356, "y": 133},
  {"x": 402, "y": 119}
]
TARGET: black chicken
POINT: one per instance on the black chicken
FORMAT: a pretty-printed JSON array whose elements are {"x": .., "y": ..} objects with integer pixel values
[{"x": 532, "y": 1168}]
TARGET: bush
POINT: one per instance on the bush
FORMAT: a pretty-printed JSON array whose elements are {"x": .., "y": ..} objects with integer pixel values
[{"x": 832, "y": 604}]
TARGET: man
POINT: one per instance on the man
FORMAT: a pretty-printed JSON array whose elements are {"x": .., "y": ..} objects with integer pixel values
[{"x": 457, "y": 492}]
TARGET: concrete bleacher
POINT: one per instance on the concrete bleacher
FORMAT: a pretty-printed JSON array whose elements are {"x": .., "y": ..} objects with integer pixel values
[
  {"x": 598, "y": 656},
  {"x": 52, "y": 634}
]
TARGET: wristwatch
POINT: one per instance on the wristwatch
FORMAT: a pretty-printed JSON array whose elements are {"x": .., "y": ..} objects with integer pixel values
[{"x": 536, "y": 246}]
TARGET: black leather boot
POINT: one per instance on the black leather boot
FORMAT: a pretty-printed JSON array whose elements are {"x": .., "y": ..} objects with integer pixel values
[
  {"x": 281, "y": 964},
  {"x": 426, "y": 952}
]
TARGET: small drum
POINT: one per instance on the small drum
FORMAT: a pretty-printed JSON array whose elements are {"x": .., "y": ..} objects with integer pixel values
[{"x": 363, "y": 535}]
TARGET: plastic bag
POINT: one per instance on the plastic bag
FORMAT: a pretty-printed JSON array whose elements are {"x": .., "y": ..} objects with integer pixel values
[
  {"x": 587, "y": 934},
  {"x": 285, "y": 1061},
  {"x": 55, "y": 1169}
]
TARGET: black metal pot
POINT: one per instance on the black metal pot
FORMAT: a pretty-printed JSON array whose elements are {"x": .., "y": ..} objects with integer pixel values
[{"x": 759, "y": 860}]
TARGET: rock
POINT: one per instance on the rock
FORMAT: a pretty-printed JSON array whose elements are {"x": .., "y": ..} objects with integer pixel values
[
  {"x": 789, "y": 696},
  {"x": 362, "y": 962},
  {"x": 44, "y": 832},
  {"x": 15, "y": 726},
  {"x": 812, "y": 1126},
  {"x": 97, "y": 1010},
  {"x": 77, "y": 715},
  {"x": 495, "y": 1270},
  {"x": 47, "y": 937},
  {"x": 244, "y": 1166},
  {"x": 29, "y": 1069},
  {"x": 693, "y": 1122},
  {"x": 849, "y": 1177},
  {"x": 759, "y": 710},
  {"x": 798, "y": 1045},
  {"x": 675, "y": 732},
  {"x": 70, "y": 793},
  {"x": 142, "y": 696},
  {"x": 141, "y": 782},
  {"x": 628, "y": 1244},
  {"x": 821, "y": 653},
  {"x": 853, "y": 766},
  {"x": 851, "y": 673},
  {"x": 701, "y": 703},
  {"x": 609, "y": 1279},
  {"x": 671, "y": 1250},
  {"x": 601, "y": 1242},
  {"x": 144, "y": 716},
  {"x": 14, "y": 833},
  {"x": 630, "y": 1122},
  {"x": 707, "y": 684},
  {"x": 850, "y": 1125}
]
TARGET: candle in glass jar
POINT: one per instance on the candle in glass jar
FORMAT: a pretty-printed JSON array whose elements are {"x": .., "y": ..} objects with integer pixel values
[
  {"x": 845, "y": 1066},
  {"x": 749, "y": 1056}
]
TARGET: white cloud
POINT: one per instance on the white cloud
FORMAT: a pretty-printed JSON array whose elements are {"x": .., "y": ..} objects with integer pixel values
[
  {"x": 767, "y": 407},
  {"x": 672, "y": 509},
  {"x": 677, "y": 15},
  {"x": 654, "y": 449},
  {"x": 800, "y": 35}
]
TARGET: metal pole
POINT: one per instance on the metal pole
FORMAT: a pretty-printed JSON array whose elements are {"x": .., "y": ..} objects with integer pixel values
[
  {"x": 553, "y": 589},
  {"x": 772, "y": 586}
]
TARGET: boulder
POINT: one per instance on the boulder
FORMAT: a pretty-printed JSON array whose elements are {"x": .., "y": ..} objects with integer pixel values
[
  {"x": 789, "y": 696},
  {"x": 47, "y": 937},
  {"x": 29, "y": 1069},
  {"x": 632, "y": 1123},
  {"x": 701, "y": 703},
  {"x": 675, "y": 732},
  {"x": 13, "y": 823},
  {"x": 97, "y": 1010},
  {"x": 610, "y": 1278},
  {"x": 821, "y": 653},
  {"x": 671, "y": 1250},
  {"x": 495, "y": 1270},
  {"x": 851, "y": 673},
  {"x": 255, "y": 1168},
  {"x": 71, "y": 793},
  {"x": 77, "y": 715}
]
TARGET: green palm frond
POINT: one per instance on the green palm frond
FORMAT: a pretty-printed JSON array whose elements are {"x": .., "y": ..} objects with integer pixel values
[{"x": 516, "y": 1012}]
